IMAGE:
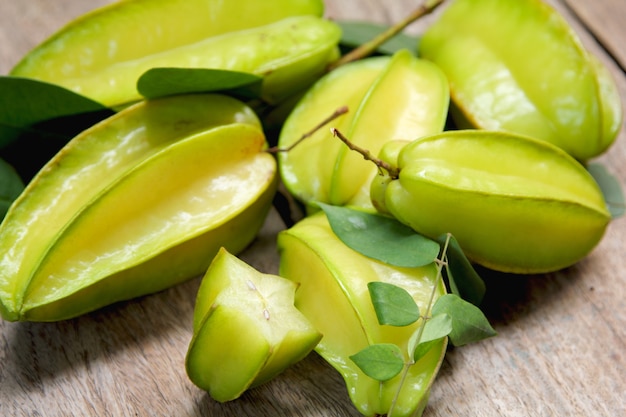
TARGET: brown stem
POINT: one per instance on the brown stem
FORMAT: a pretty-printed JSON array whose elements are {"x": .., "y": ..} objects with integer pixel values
[
  {"x": 336, "y": 113},
  {"x": 370, "y": 47},
  {"x": 367, "y": 155}
]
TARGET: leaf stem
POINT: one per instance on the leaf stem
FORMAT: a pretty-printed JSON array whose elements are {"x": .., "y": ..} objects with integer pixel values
[
  {"x": 405, "y": 373},
  {"x": 340, "y": 111},
  {"x": 407, "y": 366},
  {"x": 370, "y": 47},
  {"x": 440, "y": 265},
  {"x": 431, "y": 301},
  {"x": 394, "y": 172}
]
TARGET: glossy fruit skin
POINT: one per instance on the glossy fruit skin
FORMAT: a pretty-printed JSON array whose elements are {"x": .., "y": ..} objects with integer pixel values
[
  {"x": 518, "y": 66},
  {"x": 326, "y": 269},
  {"x": 246, "y": 329},
  {"x": 133, "y": 205},
  {"x": 398, "y": 97},
  {"x": 514, "y": 203},
  {"x": 101, "y": 54}
]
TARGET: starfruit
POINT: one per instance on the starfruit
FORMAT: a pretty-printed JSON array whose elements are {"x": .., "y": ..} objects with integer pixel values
[
  {"x": 102, "y": 54},
  {"x": 133, "y": 205},
  {"x": 514, "y": 203},
  {"x": 333, "y": 295},
  {"x": 398, "y": 97},
  {"x": 246, "y": 329},
  {"x": 518, "y": 66}
]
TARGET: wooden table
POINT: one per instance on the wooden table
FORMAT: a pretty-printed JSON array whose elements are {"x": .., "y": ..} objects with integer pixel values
[{"x": 562, "y": 337}]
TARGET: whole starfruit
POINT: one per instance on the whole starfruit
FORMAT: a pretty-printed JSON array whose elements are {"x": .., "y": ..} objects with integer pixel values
[
  {"x": 398, "y": 97},
  {"x": 246, "y": 329},
  {"x": 102, "y": 54},
  {"x": 135, "y": 204},
  {"x": 518, "y": 66},
  {"x": 514, "y": 203},
  {"x": 333, "y": 294}
]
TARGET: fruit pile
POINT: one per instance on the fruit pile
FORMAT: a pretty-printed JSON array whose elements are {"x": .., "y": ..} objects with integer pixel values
[{"x": 472, "y": 151}]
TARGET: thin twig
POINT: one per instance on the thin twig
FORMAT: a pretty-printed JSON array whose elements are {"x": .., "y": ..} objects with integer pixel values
[
  {"x": 336, "y": 113},
  {"x": 393, "y": 172},
  {"x": 368, "y": 48},
  {"x": 440, "y": 263}
]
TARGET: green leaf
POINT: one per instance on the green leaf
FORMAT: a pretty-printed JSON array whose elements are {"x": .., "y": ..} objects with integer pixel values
[
  {"x": 394, "y": 306},
  {"x": 161, "y": 82},
  {"x": 355, "y": 33},
  {"x": 11, "y": 186},
  {"x": 25, "y": 102},
  {"x": 381, "y": 361},
  {"x": 463, "y": 279},
  {"x": 611, "y": 188},
  {"x": 381, "y": 238},
  {"x": 469, "y": 324},
  {"x": 435, "y": 329},
  {"x": 37, "y": 144}
]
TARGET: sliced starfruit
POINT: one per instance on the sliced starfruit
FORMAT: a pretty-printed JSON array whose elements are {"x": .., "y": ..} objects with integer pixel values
[
  {"x": 333, "y": 294},
  {"x": 133, "y": 205},
  {"x": 399, "y": 97},
  {"x": 518, "y": 66},
  {"x": 102, "y": 54},
  {"x": 246, "y": 329},
  {"x": 514, "y": 203}
]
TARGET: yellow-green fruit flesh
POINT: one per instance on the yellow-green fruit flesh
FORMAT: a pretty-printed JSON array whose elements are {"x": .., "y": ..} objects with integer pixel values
[
  {"x": 246, "y": 329},
  {"x": 177, "y": 173},
  {"x": 528, "y": 74},
  {"x": 291, "y": 52},
  {"x": 378, "y": 187},
  {"x": 325, "y": 269},
  {"x": 307, "y": 169},
  {"x": 407, "y": 101},
  {"x": 399, "y": 97},
  {"x": 124, "y": 33},
  {"x": 515, "y": 204}
]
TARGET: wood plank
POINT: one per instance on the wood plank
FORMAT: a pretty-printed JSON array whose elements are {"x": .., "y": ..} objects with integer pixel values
[
  {"x": 560, "y": 348},
  {"x": 601, "y": 19}
]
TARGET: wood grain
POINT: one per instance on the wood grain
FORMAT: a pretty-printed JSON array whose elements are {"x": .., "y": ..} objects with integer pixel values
[
  {"x": 559, "y": 352},
  {"x": 600, "y": 20}
]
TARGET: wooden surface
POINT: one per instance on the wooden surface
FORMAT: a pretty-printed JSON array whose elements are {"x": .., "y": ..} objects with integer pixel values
[{"x": 562, "y": 337}]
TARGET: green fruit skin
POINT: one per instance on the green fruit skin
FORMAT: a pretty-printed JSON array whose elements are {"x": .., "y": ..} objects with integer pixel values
[
  {"x": 138, "y": 230},
  {"x": 515, "y": 204},
  {"x": 398, "y": 97},
  {"x": 246, "y": 329},
  {"x": 333, "y": 295},
  {"x": 93, "y": 57},
  {"x": 517, "y": 66},
  {"x": 378, "y": 187},
  {"x": 131, "y": 29}
]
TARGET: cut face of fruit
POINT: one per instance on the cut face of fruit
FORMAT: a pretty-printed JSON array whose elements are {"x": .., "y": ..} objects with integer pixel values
[{"x": 246, "y": 329}]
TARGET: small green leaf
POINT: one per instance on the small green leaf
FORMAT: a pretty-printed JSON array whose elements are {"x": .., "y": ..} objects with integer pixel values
[
  {"x": 355, "y": 33},
  {"x": 436, "y": 328},
  {"x": 161, "y": 82},
  {"x": 381, "y": 238},
  {"x": 469, "y": 324},
  {"x": 25, "y": 102},
  {"x": 381, "y": 361},
  {"x": 11, "y": 187},
  {"x": 463, "y": 279},
  {"x": 394, "y": 306},
  {"x": 611, "y": 188}
]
